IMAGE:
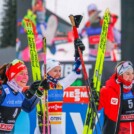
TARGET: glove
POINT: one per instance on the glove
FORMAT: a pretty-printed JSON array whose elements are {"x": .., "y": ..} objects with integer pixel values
[
  {"x": 44, "y": 85},
  {"x": 78, "y": 43},
  {"x": 37, "y": 88},
  {"x": 76, "y": 66},
  {"x": 32, "y": 89}
]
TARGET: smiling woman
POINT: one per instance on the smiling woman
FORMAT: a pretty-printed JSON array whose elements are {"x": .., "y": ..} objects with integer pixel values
[
  {"x": 56, "y": 85},
  {"x": 14, "y": 77}
]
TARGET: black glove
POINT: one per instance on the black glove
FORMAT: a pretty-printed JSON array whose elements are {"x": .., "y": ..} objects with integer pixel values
[
  {"x": 44, "y": 85},
  {"x": 78, "y": 43},
  {"x": 32, "y": 89}
]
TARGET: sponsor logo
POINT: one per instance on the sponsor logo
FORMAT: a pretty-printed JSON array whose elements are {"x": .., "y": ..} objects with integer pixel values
[
  {"x": 12, "y": 102},
  {"x": 75, "y": 94},
  {"x": 11, "y": 121},
  {"x": 94, "y": 39},
  {"x": 55, "y": 119},
  {"x": 55, "y": 107},
  {"x": 7, "y": 91},
  {"x": 114, "y": 101},
  {"x": 12, "y": 74},
  {"x": 128, "y": 95},
  {"x": 6, "y": 127},
  {"x": 55, "y": 95},
  {"x": 127, "y": 117}
]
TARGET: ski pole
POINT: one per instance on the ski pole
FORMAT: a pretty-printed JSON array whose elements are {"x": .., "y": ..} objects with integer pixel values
[
  {"x": 46, "y": 124},
  {"x": 75, "y": 20}
]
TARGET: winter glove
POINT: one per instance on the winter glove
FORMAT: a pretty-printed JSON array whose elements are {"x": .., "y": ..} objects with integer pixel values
[
  {"x": 78, "y": 43},
  {"x": 76, "y": 66},
  {"x": 32, "y": 89},
  {"x": 37, "y": 88},
  {"x": 44, "y": 85}
]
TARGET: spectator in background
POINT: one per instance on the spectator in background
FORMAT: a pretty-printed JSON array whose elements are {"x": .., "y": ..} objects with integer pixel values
[{"x": 92, "y": 30}]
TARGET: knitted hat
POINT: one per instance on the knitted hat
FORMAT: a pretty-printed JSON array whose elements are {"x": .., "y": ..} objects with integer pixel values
[
  {"x": 92, "y": 7},
  {"x": 16, "y": 67},
  {"x": 123, "y": 67},
  {"x": 51, "y": 63}
]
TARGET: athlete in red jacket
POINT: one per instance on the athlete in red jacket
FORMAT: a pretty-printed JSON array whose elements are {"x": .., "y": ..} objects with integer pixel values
[
  {"x": 117, "y": 100},
  {"x": 92, "y": 30}
]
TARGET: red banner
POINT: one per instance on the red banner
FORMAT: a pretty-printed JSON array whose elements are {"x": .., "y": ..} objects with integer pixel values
[
  {"x": 55, "y": 106},
  {"x": 75, "y": 95}
]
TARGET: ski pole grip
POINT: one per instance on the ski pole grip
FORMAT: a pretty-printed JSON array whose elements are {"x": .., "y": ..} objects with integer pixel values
[
  {"x": 75, "y": 32},
  {"x": 75, "y": 21},
  {"x": 72, "y": 20}
]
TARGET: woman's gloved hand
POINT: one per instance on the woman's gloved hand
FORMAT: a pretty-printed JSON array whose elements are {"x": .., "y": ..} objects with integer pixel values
[
  {"x": 44, "y": 85},
  {"x": 78, "y": 43},
  {"x": 32, "y": 89},
  {"x": 37, "y": 88}
]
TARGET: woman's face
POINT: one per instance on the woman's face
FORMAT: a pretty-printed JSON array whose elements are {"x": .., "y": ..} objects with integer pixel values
[
  {"x": 22, "y": 78},
  {"x": 91, "y": 12},
  {"x": 128, "y": 75},
  {"x": 55, "y": 72}
]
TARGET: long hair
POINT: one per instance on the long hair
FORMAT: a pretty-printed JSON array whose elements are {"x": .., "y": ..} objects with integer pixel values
[{"x": 3, "y": 76}]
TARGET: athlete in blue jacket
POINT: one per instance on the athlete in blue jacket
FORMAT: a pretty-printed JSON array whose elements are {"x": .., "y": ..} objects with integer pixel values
[{"x": 14, "y": 77}]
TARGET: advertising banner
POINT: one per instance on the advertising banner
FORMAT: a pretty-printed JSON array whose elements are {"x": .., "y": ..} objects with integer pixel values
[{"x": 74, "y": 109}]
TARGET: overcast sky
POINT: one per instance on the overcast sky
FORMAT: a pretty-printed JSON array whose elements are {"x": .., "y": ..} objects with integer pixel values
[{"x": 66, "y": 7}]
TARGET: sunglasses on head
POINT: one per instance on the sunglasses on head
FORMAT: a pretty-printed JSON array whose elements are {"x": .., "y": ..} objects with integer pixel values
[
  {"x": 16, "y": 61},
  {"x": 124, "y": 66}
]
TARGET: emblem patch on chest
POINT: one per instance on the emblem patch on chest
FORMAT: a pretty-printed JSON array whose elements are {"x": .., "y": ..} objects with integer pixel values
[{"x": 114, "y": 101}]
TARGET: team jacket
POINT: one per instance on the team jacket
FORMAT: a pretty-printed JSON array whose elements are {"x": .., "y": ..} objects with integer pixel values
[
  {"x": 55, "y": 101},
  {"x": 11, "y": 104},
  {"x": 93, "y": 31},
  {"x": 118, "y": 108}
]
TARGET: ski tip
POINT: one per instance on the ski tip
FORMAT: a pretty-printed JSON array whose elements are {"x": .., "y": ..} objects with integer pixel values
[{"x": 107, "y": 10}]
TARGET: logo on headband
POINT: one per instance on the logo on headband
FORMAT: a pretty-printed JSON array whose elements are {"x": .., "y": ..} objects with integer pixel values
[
  {"x": 124, "y": 67},
  {"x": 16, "y": 67}
]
